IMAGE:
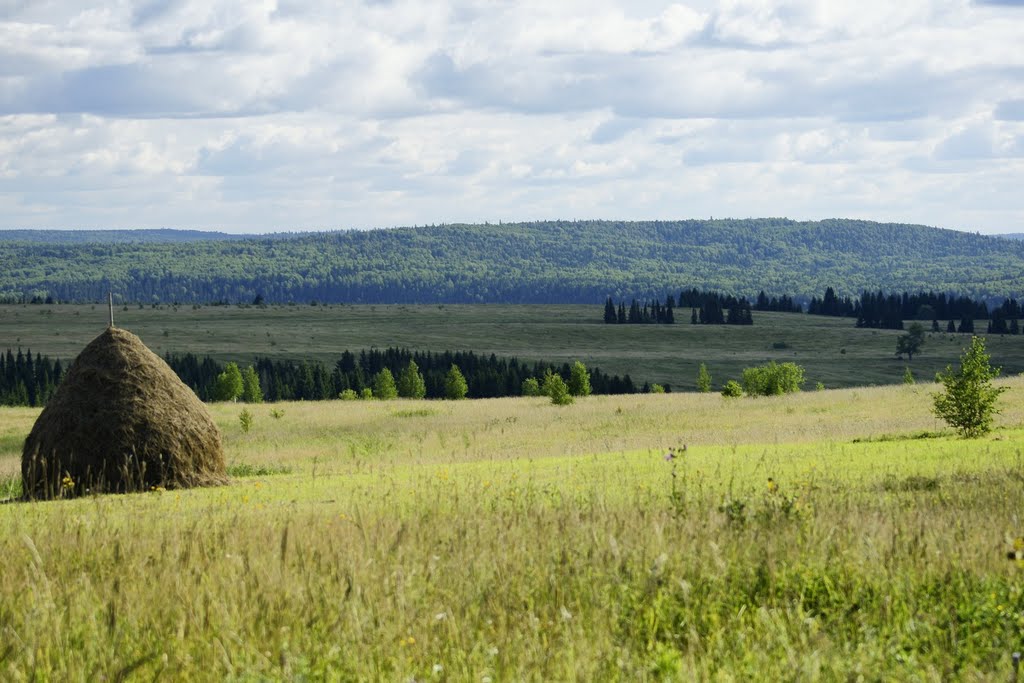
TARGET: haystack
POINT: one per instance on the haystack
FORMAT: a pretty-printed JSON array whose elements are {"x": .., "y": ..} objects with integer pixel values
[{"x": 121, "y": 421}]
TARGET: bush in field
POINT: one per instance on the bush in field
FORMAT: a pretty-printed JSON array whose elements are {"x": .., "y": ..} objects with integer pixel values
[
  {"x": 367, "y": 394},
  {"x": 773, "y": 379},
  {"x": 657, "y": 389},
  {"x": 531, "y": 387},
  {"x": 732, "y": 389},
  {"x": 579, "y": 380},
  {"x": 384, "y": 385},
  {"x": 348, "y": 395},
  {"x": 968, "y": 399},
  {"x": 555, "y": 388}
]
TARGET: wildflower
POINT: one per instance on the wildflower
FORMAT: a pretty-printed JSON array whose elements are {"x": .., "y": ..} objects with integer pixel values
[
  {"x": 440, "y": 616},
  {"x": 670, "y": 456},
  {"x": 438, "y": 669},
  {"x": 772, "y": 486},
  {"x": 1018, "y": 550},
  {"x": 67, "y": 483},
  {"x": 410, "y": 641}
]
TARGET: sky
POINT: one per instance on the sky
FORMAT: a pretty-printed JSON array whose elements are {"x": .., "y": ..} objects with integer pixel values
[{"x": 264, "y": 115}]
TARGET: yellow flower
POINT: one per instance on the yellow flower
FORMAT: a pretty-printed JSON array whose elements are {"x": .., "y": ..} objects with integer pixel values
[{"x": 772, "y": 486}]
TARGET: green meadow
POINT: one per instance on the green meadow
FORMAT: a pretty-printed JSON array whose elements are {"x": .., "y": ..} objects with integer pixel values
[
  {"x": 831, "y": 350},
  {"x": 835, "y": 535}
]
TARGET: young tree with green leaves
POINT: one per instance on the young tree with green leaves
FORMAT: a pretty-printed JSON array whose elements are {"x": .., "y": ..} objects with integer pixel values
[
  {"x": 555, "y": 388},
  {"x": 455, "y": 387},
  {"x": 908, "y": 376},
  {"x": 229, "y": 385},
  {"x": 703, "y": 379},
  {"x": 384, "y": 385},
  {"x": 968, "y": 400},
  {"x": 410, "y": 382},
  {"x": 251, "y": 391},
  {"x": 531, "y": 387},
  {"x": 579, "y": 380}
]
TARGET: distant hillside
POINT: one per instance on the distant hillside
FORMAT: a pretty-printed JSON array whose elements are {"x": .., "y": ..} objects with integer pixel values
[
  {"x": 543, "y": 262},
  {"x": 114, "y": 236},
  {"x": 1012, "y": 235}
]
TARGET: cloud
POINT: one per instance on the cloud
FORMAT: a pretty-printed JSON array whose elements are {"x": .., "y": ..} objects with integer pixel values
[{"x": 308, "y": 113}]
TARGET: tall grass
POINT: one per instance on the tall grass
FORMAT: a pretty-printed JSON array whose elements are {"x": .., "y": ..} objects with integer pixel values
[{"x": 513, "y": 540}]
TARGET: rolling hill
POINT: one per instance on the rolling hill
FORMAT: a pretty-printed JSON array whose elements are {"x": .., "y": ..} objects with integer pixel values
[{"x": 540, "y": 262}]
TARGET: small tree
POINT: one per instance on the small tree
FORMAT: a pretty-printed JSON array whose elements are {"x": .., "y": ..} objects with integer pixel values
[
  {"x": 245, "y": 420},
  {"x": 384, "y": 385},
  {"x": 968, "y": 400},
  {"x": 911, "y": 342},
  {"x": 228, "y": 386},
  {"x": 455, "y": 386},
  {"x": 657, "y": 388},
  {"x": 732, "y": 389},
  {"x": 908, "y": 376},
  {"x": 410, "y": 382},
  {"x": 555, "y": 388},
  {"x": 579, "y": 380},
  {"x": 531, "y": 387},
  {"x": 251, "y": 391},
  {"x": 348, "y": 395},
  {"x": 703, "y": 379}
]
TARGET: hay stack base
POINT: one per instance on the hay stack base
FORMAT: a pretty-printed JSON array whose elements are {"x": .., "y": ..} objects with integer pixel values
[{"x": 121, "y": 421}]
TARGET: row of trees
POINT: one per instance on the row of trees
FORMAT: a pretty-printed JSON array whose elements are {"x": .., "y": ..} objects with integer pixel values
[
  {"x": 707, "y": 308},
  {"x": 485, "y": 376},
  {"x": 26, "y": 380}
]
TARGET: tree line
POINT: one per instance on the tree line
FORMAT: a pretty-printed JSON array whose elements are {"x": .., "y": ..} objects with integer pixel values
[
  {"x": 706, "y": 308},
  {"x": 485, "y": 376},
  {"x": 28, "y": 381}
]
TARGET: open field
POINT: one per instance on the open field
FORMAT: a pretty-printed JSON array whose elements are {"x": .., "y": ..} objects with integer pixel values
[
  {"x": 831, "y": 350},
  {"x": 510, "y": 539}
]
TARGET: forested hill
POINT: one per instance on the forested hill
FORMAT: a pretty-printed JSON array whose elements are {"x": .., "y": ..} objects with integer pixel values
[
  {"x": 569, "y": 262},
  {"x": 115, "y": 236}
]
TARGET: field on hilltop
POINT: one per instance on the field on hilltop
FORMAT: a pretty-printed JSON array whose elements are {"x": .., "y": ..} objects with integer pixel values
[
  {"x": 822, "y": 535},
  {"x": 832, "y": 350}
]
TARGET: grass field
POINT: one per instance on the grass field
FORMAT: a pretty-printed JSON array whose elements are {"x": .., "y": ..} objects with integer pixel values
[
  {"x": 831, "y": 350},
  {"x": 510, "y": 539}
]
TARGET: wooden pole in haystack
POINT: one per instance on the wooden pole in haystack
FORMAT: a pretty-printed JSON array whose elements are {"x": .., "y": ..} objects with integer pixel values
[{"x": 110, "y": 305}]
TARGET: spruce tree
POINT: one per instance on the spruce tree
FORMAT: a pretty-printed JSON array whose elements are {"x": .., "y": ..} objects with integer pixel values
[{"x": 703, "y": 379}]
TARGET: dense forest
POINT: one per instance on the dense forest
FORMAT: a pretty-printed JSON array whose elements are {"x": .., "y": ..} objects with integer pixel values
[
  {"x": 542, "y": 262},
  {"x": 30, "y": 381}
]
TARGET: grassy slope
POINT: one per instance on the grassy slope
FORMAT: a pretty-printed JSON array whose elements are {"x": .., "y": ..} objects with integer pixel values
[
  {"x": 655, "y": 353},
  {"x": 513, "y": 539}
]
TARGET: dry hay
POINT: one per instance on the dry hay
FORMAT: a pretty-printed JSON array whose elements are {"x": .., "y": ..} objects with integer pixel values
[{"x": 121, "y": 421}]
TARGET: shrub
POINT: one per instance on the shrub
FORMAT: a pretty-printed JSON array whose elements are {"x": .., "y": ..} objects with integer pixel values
[
  {"x": 968, "y": 399},
  {"x": 366, "y": 394},
  {"x": 657, "y": 389},
  {"x": 245, "y": 419},
  {"x": 908, "y": 376},
  {"x": 531, "y": 387},
  {"x": 348, "y": 395},
  {"x": 732, "y": 389},
  {"x": 556, "y": 389},
  {"x": 773, "y": 379}
]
